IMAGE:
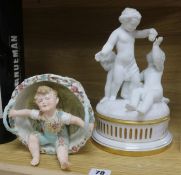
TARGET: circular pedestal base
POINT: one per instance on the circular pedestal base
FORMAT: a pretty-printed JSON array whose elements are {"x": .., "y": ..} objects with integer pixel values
[
  {"x": 134, "y": 138},
  {"x": 132, "y": 149}
]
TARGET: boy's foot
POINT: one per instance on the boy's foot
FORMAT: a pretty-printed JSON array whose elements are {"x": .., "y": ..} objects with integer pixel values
[
  {"x": 65, "y": 165},
  {"x": 35, "y": 161}
]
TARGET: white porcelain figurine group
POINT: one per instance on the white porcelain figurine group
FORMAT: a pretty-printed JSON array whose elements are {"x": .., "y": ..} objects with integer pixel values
[{"x": 139, "y": 91}]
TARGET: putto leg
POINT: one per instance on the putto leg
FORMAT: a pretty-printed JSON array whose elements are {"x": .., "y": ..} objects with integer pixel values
[{"x": 34, "y": 147}]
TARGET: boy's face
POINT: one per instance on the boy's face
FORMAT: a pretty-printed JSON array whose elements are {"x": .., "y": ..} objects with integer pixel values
[
  {"x": 47, "y": 102},
  {"x": 130, "y": 24}
]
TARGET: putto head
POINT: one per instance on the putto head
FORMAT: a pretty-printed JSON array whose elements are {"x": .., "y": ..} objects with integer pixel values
[
  {"x": 130, "y": 19},
  {"x": 130, "y": 13},
  {"x": 44, "y": 90},
  {"x": 46, "y": 98}
]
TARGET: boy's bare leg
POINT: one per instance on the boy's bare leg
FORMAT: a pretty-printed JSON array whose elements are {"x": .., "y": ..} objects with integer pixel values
[
  {"x": 62, "y": 154},
  {"x": 34, "y": 147},
  {"x": 147, "y": 103}
]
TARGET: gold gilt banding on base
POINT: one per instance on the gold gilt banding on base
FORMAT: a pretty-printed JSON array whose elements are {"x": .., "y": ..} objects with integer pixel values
[
  {"x": 129, "y": 122},
  {"x": 131, "y": 153}
]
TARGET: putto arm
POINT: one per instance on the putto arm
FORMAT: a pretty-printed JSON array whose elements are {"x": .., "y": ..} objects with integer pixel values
[
  {"x": 106, "y": 52},
  {"x": 108, "y": 47},
  {"x": 150, "y": 33},
  {"x": 20, "y": 113},
  {"x": 79, "y": 122},
  {"x": 158, "y": 55},
  {"x": 76, "y": 121}
]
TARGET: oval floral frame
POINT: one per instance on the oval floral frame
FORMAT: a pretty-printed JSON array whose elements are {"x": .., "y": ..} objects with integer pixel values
[{"x": 73, "y": 99}]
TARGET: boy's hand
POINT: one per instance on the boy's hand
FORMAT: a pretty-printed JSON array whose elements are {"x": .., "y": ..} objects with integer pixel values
[
  {"x": 89, "y": 130},
  {"x": 98, "y": 56},
  {"x": 12, "y": 113},
  {"x": 152, "y": 34}
]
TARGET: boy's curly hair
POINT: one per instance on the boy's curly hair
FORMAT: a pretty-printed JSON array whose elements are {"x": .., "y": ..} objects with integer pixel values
[{"x": 43, "y": 90}]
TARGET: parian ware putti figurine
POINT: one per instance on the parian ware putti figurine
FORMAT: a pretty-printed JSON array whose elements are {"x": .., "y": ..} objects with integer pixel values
[
  {"x": 41, "y": 123},
  {"x": 124, "y": 66},
  {"x": 136, "y": 120}
]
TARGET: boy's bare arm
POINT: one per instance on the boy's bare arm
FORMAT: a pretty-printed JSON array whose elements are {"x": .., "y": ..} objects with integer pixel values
[
  {"x": 20, "y": 113},
  {"x": 150, "y": 33},
  {"x": 111, "y": 42},
  {"x": 76, "y": 121}
]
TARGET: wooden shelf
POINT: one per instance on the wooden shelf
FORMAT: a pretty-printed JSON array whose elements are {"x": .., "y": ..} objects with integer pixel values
[{"x": 15, "y": 158}]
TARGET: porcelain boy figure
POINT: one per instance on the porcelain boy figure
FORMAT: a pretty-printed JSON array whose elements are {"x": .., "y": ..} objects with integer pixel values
[
  {"x": 123, "y": 38},
  {"x": 53, "y": 122}
]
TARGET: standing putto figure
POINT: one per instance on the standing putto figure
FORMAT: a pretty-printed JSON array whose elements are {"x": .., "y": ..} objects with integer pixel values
[{"x": 124, "y": 67}]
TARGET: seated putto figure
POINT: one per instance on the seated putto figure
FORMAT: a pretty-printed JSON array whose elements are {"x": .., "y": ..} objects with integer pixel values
[
  {"x": 53, "y": 123},
  {"x": 144, "y": 97}
]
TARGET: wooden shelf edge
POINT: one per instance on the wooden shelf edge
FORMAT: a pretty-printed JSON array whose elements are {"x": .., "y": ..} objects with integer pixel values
[{"x": 9, "y": 169}]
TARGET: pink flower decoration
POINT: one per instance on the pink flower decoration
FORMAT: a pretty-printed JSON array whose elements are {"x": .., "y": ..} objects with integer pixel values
[{"x": 74, "y": 89}]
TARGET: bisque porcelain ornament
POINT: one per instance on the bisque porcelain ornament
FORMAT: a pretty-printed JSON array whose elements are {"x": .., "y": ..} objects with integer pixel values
[
  {"x": 43, "y": 125},
  {"x": 123, "y": 118},
  {"x": 124, "y": 66}
]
